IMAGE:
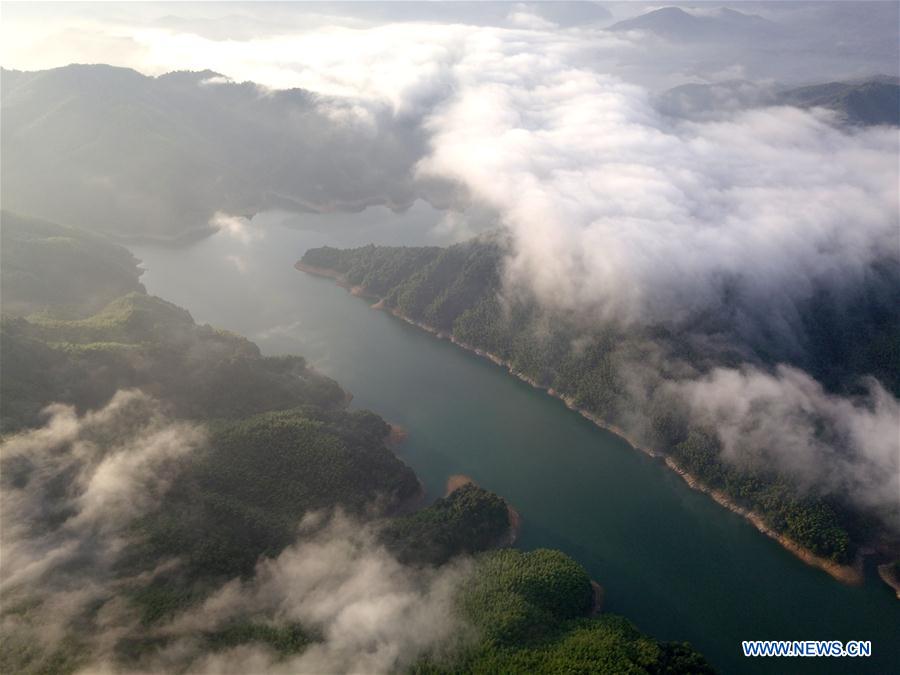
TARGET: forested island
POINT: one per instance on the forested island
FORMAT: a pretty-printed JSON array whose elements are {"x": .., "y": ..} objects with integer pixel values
[
  {"x": 458, "y": 292},
  {"x": 174, "y": 500}
]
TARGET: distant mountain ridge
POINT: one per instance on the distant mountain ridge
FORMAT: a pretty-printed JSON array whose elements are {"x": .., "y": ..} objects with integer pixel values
[
  {"x": 676, "y": 23},
  {"x": 155, "y": 158},
  {"x": 132, "y": 155},
  {"x": 863, "y": 101},
  {"x": 875, "y": 101}
]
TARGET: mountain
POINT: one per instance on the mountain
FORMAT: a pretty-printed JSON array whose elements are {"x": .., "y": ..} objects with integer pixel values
[
  {"x": 154, "y": 158},
  {"x": 674, "y": 23},
  {"x": 48, "y": 266},
  {"x": 861, "y": 102},
  {"x": 703, "y": 101},
  {"x": 869, "y": 102}
]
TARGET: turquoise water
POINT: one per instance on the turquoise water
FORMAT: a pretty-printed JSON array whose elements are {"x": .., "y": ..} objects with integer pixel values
[{"x": 670, "y": 559}]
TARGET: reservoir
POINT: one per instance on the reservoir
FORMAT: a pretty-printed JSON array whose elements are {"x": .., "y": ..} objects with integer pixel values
[{"x": 671, "y": 560}]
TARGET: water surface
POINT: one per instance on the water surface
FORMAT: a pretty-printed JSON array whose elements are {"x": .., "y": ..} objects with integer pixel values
[{"x": 670, "y": 559}]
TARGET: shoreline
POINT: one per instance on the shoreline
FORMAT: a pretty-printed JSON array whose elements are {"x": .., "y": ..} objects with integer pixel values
[
  {"x": 396, "y": 436},
  {"x": 852, "y": 575}
]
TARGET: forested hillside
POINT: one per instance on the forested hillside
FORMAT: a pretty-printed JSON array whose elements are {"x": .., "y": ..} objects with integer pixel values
[
  {"x": 629, "y": 376},
  {"x": 61, "y": 269},
  {"x": 875, "y": 101},
  {"x": 154, "y": 158},
  {"x": 856, "y": 103},
  {"x": 185, "y": 503}
]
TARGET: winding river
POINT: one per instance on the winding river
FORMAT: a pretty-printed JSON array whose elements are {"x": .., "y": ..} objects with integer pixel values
[{"x": 670, "y": 559}]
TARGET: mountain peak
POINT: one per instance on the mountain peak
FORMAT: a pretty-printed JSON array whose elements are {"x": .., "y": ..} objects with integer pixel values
[{"x": 675, "y": 22}]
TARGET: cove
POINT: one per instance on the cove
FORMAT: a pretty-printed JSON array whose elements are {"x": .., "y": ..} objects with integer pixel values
[{"x": 670, "y": 559}]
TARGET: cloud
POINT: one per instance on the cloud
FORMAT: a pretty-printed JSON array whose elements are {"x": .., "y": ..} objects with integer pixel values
[
  {"x": 716, "y": 101},
  {"x": 382, "y": 79},
  {"x": 620, "y": 212},
  {"x": 71, "y": 490},
  {"x": 239, "y": 262},
  {"x": 521, "y": 16},
  {"x": 785, "y": 421},
  {"x": 610, "y": 201},
  {"x": 353, "y": 51},
  {"x": 373, "y": 614},
  {"x": 237, "y": 227}
]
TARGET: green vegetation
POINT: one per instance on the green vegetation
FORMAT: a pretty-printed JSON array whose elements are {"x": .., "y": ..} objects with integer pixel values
[
  {"x": 814, "y": 522},
  {"x": 18, "y": 655},
  {"x": 77, "y": 326},
  {"x": 874, "y": 101},
  {"x": 141, "y": 341},
  {"x": 44, "y": 266},
  {"x": 529, "y": 610},
  {"x": 457, "y": 290},
  {"x": 518, "y": 597},
  {"x": 609, "y": 644},
  {"x": 256, "y": 481},
  {"x": 153, "y": 159},
  {"x": 376, "y": 267},
  {"x": 285, "y": 640},
  {"x": 468, "y": 520},
  {"x": 281, "y": 442}
]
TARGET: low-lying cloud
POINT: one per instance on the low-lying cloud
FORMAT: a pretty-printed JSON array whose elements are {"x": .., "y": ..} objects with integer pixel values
[
  {"x": 618, "y": 211},
  {"x": 74, "y": 487},
  {"x": 371, "y": 613},
  {"x": 784, "y": 421},
  {"x": 70, "y": 491}
]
